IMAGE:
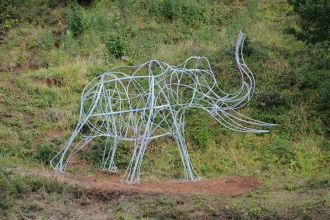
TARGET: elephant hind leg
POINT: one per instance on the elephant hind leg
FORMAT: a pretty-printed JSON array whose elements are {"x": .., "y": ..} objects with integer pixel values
[
  {"x": 66, "y": 154},
  {"x": 58, "y": 161}
]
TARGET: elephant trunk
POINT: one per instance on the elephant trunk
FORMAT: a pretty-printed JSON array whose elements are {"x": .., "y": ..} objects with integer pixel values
[{"x": 235, "y": 121}]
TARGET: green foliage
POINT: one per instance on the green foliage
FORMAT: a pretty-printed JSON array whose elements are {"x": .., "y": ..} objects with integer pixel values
[
  {"x": 78, "y": 21},
  {"x": 15, "y": 12},
  {"x": 117, "y": 46},
  {"x": 153, "y": 7},
  {"x": 323, "y": 103},
  {"x": 243, "y": 18},
  {"x": 123, "y": 154},
  {"x": 199, "y": 128},
  {"x": 14, "y": 187},
  {"x": 324, "y": 100},
  {"x": 45, "y": 152},
  {"x": 99, "y": 20},
  {"x": 314, "y": 20},
  {"x": 100, "y": 148},
  {"x": 193, "y": 13},
  {"x": 269, "y": 99},
  {"x": 172, "y": 9},
  {"x": 318, "y": 183},
  {"x": 308, "y": 76},
  {"x": 5, "y": 188}
]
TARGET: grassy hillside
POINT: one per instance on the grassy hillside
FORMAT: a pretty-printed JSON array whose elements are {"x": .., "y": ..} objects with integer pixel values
[{"x": 51, "y": 49}]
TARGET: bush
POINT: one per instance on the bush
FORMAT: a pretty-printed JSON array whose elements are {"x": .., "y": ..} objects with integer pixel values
[
  {"x": 78, "y": 22},
  {"x": 45, "y": 152},
  {"x": 152, "y": 7},
  {"x": 323, "y": 104},
  {"x": 308, "y": 76},
  {"x": 116, "y": 46},
  {"x": 193, "y": 13},
  {"x": 269, "y": 99},
  {"x": 96, "y": 152},
  {"x": 314, "y": 20},
  {"x": 6, "y": 189},
  {"x": 15, "y": 12},
  {"x": 199, "y": 128},
  {"x": 324, "y": 101},
  {"x": 172, "y": 9}
]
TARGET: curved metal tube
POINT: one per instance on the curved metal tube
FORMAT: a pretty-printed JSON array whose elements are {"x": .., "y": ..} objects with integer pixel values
[{"x": 148, "y": 101}]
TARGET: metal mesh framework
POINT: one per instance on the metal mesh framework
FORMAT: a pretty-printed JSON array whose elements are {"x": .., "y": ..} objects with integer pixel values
[{"x": 148, "y": 101}]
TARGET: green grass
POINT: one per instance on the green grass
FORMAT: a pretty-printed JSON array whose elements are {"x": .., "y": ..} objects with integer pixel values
[{"x": 47, "y": 58}]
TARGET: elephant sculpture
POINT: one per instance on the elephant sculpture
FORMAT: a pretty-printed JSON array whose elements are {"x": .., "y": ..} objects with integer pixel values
[{"x": 144, "y": 102}]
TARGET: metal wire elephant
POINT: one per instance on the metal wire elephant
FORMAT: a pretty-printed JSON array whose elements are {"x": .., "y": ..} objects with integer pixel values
[{"x": 147, "y": 101}]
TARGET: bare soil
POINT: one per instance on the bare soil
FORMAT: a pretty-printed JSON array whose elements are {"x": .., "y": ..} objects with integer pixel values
[
  {"x": 104, "y": 181},
  {"x": 224, "y": 186}
]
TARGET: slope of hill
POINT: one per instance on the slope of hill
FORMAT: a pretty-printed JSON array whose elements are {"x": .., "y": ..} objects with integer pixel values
[{"x": 51, "y": 49}]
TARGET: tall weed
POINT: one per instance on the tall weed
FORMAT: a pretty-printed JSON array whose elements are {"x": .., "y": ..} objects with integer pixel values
[
  {"x": 78, "y": 21},
  {"x": 172, "y": 9},
  {"x": 193, "y": 13}
]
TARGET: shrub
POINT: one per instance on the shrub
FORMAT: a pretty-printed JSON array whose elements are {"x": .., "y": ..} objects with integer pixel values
[
  {"x": 269, "y": 99},
  {"x": 324, "y": 101},
  {"x": 314, "y": 20},
  {"x": 193, "y": 13},
  {"x": 45, "y": 152},
  {"x": 78, "y": 22},
  {"x": 172, "y": 9},
  {"x": 153, "y": 7},
  {"x": 100, "y": 148},
  {"x": 15, "y": 12},
  {"x": 99, "y": 20},
  {"x": 308, "y": 76},
  {"x": 5, "y": 189},
  {"x": 323, "y": 104},
  {"x": 199, "y": 128},
  {"x": 116, "y": 46}
]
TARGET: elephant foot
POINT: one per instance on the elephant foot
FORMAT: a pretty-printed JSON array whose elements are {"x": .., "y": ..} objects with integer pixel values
[
  {"x": 113, "y": 169},
  {"x": 128, "y": 178},
  {"x": 135, "y": 181},
  {"x": 198, "y": 178}
]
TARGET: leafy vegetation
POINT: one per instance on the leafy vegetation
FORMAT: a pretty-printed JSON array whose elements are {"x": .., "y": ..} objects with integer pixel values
[
  {"x": 314, "y": 20},
  {"x": 51, "y": 49}
]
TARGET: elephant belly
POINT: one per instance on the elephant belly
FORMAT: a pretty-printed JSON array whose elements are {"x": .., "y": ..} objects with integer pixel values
[{"x": 131, "y": 124}]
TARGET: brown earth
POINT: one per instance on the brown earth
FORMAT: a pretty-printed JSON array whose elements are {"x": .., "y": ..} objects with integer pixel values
[
  {"x": 225, "y": 186},
  {"x": 110, "y": 182}
]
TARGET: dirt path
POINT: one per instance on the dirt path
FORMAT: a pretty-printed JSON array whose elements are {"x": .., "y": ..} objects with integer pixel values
[{"x": 106, "y": 182}]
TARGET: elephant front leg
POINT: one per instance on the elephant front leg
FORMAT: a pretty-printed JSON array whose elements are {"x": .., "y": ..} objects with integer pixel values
[
  {"x": 189, "y": 173},
  {"x": 110, "y": 157},
  {"x": 132, "y": 174}
]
